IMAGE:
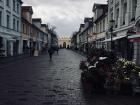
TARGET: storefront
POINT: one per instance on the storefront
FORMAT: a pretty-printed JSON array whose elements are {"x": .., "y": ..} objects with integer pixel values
[
  {"x": 9, "y": 45},
  {"x": 100, "y": 43},
  {"x": 134, "y": 39},
  {"x": 135, "y": 42},
  {"x": 100, "y": 40},
  {"x": 1, "y": 40},
  {"x": 1, "y": 47},
  {"x": 119, "y": 45}
]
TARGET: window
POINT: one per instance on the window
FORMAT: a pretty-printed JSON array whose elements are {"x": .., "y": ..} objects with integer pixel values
[
  {"x": 17, "y": 25},
  {"x": 1, "y": 42},
  {"x": 103, "y": 25},
  {"x": 134, "y": 6},
  {"x": 117, "y": 17},
  {"x": 24, "y": 28},
  {"x": 17, "y": 7},
  {"x": 111, "y": 16},
  {"x": 111, "y": 1},
  {"x": 100, "y": 26},
  {"x": 8, "y": 21},
  {"x": 0, "y": 17},
  {"x": 8, "y": 3},
  {"x": 14, "y": 5},
  {"x": 124, "y": 12},
  {"x": 14, "y": 24}
]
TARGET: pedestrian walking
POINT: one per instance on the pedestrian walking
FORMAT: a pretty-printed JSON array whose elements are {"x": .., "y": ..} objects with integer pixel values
[
  {"x": 57, "y": 49},
  {"x": 50, "y": 51},
  {"x": 32, "y": 50}
]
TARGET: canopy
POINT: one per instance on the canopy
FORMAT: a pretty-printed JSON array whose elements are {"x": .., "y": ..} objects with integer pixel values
[
  {"x": 7, "y": 37},
  {"x": 114, "y": 38}
]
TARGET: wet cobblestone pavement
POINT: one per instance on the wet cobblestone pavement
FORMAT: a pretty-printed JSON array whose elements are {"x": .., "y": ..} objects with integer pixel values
[{"x": 37, "y": 81}]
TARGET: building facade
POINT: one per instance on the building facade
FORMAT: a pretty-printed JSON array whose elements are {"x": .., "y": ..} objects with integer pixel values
[
  {"x": 74, "y": 40},
  {"x": 134, "y": 37},
  {"x": 100, "y": 23},
  {"x": 10, "y": 30},
  {"x": 26, "y": 27},
  {"x": 64, "y": 42},
  {"x": 85, "y": 33},
  {"x": 124, "y": 13},
  {"x": 49, "y": 37},
  {"x": 45, "y": 35},
  {"x": 38, "y": 33}
]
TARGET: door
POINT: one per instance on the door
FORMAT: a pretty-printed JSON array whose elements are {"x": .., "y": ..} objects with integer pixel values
[
  {"x": 15, "y": 47},
  {"x": 64, "y": 45},
  {"x": 8, "y": 48}
]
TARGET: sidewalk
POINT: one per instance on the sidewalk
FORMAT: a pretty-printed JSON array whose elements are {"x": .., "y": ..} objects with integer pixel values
[
  {"x": 79, "y": 52},
  {"x": 5, "y": 60}
]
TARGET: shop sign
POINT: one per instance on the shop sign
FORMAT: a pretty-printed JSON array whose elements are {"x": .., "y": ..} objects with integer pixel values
[{"x": 134, "y": 40}]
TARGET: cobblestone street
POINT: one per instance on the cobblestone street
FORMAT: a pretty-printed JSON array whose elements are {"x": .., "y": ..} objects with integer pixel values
[{"x": 37, "y": 81}]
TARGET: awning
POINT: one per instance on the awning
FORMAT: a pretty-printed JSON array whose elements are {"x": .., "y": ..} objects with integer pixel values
[
  {"x": 107, "y": 40},
  {"x": 119, "y": 37},
  {"x": 114, "y": 38},
  {"x": 134, "y": 40},
  {"x": 133, "y": 36},
  {"x": 101, "y": 36},
  {"x": 8, "y": 37}
]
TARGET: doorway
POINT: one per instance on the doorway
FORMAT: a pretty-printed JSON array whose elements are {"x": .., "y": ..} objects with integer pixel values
[{"x": 64, "y": 45}]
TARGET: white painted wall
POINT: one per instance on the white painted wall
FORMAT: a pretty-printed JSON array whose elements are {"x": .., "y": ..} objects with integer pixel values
[{"x": 9, "y": 34}]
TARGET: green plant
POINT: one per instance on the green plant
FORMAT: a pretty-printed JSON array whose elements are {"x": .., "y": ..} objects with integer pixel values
[{"x": 124, "y": 68}]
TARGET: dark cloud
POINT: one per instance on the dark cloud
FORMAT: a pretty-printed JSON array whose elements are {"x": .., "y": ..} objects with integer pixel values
[{"x": 66, "y": 15}]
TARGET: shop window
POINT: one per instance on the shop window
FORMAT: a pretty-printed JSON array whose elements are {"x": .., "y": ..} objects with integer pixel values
[{"x": 1, "y": 40}]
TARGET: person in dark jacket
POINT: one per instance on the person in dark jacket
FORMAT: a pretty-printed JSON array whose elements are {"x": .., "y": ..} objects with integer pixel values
[
  {"x": 57, "y": 49},
  {"x": 50, "y": 51}
]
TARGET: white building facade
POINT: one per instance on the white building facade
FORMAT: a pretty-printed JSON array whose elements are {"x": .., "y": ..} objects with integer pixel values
[
  {"x": 100, "y": 23},
  {"x": 49, "y": 37},
  {"x": 37, "y": 22},
  {"x": 124, "y": 13},
  {"x": 10, "y": 30},
  {"x": 45, "y": 35},
  {"x": 85, "y": 31}
]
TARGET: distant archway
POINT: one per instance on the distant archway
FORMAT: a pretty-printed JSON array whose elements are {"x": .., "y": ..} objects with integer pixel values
[{"x": 64, "y": 45}]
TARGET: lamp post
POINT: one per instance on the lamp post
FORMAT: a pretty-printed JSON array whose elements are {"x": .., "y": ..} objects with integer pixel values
[
  {"x": 87, "y": 48},
  {"x": 30, "y": 47},
  {"x": 111, "y": 32}
]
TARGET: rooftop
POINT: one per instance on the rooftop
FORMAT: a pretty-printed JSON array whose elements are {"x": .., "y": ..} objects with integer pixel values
[
  {"x": 27, "y": 8},
  {"x": 37, "y": 20}
]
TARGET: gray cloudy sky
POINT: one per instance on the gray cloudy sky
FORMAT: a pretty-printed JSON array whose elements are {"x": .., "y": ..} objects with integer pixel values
[{"x": 66, "y": 15}]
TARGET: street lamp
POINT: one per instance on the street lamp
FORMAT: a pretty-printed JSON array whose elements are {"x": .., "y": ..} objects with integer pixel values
[
  {"x": 87, "y": 47},
  {"x": 111, "y": 32},
  {"x": 30, "y": 46}
]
